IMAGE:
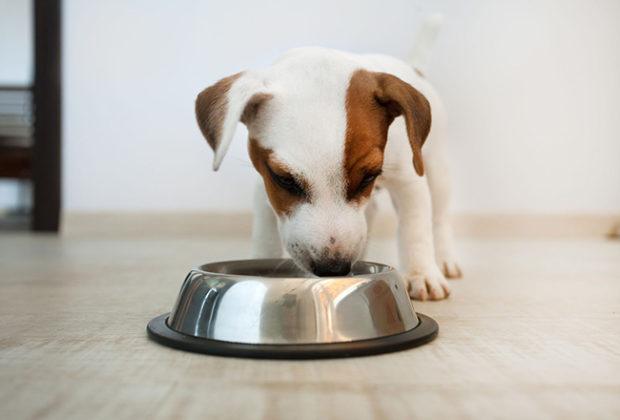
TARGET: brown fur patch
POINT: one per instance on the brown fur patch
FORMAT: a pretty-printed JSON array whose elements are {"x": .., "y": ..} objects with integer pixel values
[
  {"x": 263, "y": 159},
  {"x": 366, "y": 135},
  {"x": 211, "y": 108},
  {"x": 252, "y": 108},
  {"x": 373, "y": 101}
]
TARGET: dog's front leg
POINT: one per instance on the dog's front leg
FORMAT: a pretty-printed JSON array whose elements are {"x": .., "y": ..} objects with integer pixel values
[
  {"x": 266, "y": 241},
  {"x": 412, "y": 201}
]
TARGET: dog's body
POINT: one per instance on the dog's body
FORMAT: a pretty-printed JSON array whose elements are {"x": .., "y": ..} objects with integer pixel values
[{"x": 325, "y": 127}]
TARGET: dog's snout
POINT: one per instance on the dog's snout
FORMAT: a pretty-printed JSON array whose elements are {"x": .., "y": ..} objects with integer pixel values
[{"x": 331, "y": 267}]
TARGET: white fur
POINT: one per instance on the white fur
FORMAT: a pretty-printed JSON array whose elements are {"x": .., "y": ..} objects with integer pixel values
[{"x": 304, "y": 124}]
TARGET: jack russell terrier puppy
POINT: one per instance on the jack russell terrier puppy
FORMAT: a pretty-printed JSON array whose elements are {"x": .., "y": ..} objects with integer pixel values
[{"x": 325, "y": 127}]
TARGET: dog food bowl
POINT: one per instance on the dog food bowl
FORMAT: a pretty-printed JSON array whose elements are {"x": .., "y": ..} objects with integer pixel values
[{"x": 271, "y": 309}]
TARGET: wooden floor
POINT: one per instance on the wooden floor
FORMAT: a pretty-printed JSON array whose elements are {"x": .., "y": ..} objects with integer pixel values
[{"x": 533, "y": 331}]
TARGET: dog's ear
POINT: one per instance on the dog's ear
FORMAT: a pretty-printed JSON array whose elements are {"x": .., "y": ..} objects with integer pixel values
[
  {"x": 220, "y": 107},
  {"x": 400, "y": 98}
]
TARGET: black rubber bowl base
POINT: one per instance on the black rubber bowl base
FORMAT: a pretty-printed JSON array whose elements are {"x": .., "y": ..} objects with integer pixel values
[{"x": 424, "y": 332}]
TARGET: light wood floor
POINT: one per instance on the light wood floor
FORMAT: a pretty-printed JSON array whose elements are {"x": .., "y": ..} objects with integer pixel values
[{"x": 533, "y": 331}]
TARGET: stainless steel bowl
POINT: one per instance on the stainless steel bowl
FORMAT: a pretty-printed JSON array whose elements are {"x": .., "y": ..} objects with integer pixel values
[{"x": 271, "y": 308}]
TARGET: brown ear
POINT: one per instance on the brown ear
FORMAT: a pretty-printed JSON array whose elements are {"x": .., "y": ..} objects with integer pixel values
[
  {"x": 400, "y": 98},
  {"x": 211, "y": 106},
  {"x": 220, "y": 107}
]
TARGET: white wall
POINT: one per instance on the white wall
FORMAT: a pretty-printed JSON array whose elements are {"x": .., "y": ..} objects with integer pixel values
[{"x": 533, "y": 89}]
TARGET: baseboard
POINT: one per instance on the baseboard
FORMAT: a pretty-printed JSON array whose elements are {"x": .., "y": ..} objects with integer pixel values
[
  {"x": 538, "y": 225},
  {"x": 239, "y": 224}
]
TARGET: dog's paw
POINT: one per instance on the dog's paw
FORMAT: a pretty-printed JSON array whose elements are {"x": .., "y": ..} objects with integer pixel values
[
  {"x": 450, "y": 269},
  {"x": 429, "y": 284}
]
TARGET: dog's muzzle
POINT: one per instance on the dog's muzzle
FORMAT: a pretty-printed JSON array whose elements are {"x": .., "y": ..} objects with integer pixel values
[{"x": 331, "y": 267}]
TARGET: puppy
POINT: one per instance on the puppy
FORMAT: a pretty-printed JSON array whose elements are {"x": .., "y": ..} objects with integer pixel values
[{"x": 326, "y": 127}]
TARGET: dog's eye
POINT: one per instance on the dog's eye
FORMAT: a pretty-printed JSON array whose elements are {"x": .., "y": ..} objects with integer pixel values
[
  {"x": 367, "y": 180},
  {"x": 288, "y": 183}
]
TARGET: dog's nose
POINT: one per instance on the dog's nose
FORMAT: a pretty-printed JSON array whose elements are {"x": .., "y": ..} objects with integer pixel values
[{"x": 333, "y": 267}]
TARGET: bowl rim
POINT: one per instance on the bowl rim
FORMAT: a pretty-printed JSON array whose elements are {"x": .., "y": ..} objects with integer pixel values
[
  {"x": 425, "y": 331},
  {"x": 385, "y": 269}
]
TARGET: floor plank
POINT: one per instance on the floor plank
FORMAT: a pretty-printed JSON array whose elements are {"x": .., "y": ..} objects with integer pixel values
[{"x": 533, "y": 331}]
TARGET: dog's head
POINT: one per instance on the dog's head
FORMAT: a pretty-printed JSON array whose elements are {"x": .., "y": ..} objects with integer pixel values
[{"x": 317, "y": 131}]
